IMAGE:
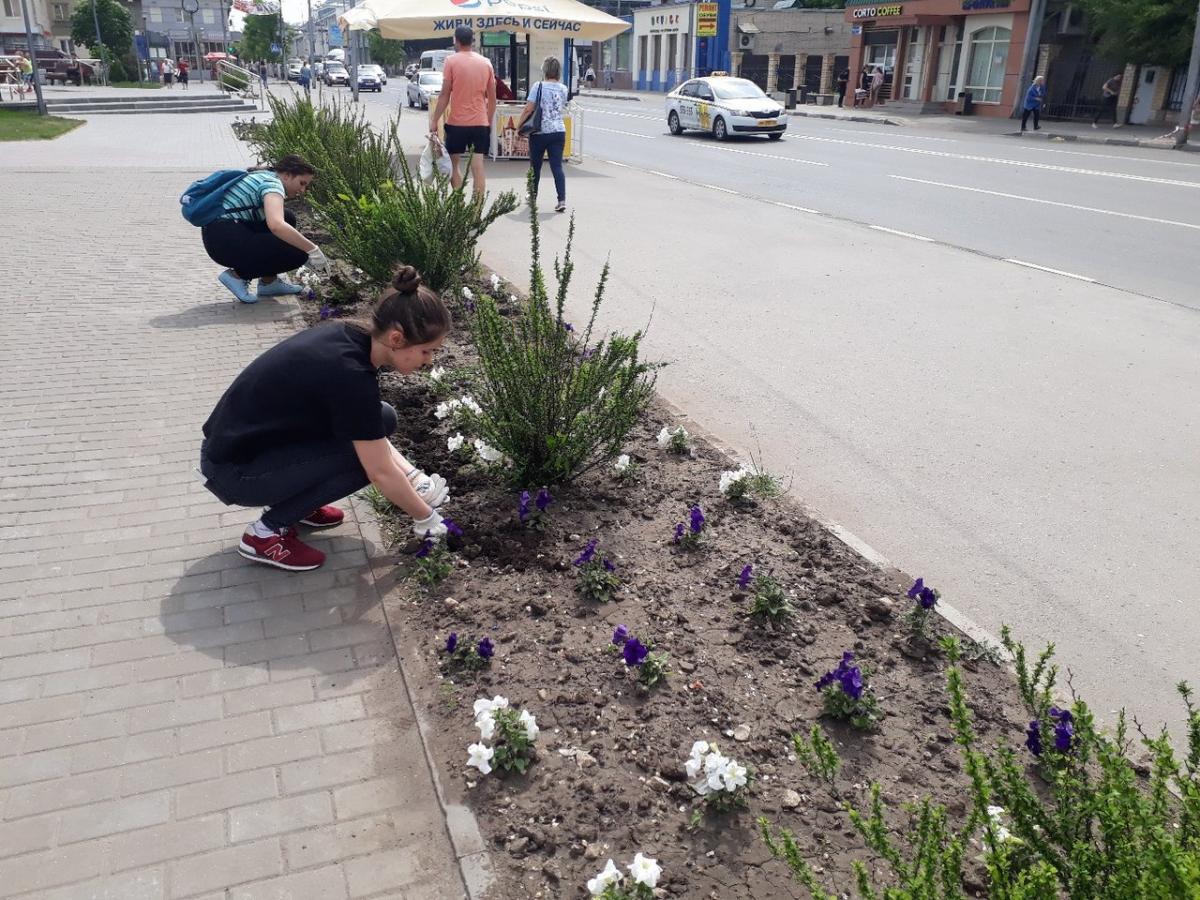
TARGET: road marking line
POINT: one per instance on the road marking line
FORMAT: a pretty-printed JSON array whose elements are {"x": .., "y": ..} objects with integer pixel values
[
  {"x": 1106, "y": 212},
  {"x": 714, "y": 187},
  {"x": 892, "y": 134},
  {"x": 804, "y": 209},
  {"x": 663, "y": 175},
  {"x": 612, "y": 162},
  {"x": 807, "y": 162},
  {"x": 907, "y": 234},
  {"x": 999, "y": 160},
  {"x": 623, "y": 115},
  {"x": 1141, "y": 159},
  {"x": 1029, "y": 265},
  {"x": 626, "y": 133}
]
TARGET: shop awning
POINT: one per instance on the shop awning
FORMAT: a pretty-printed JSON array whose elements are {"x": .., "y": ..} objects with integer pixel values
[
  {"x": 748, "y": 28},
  {"x": 418, "y": 19}
]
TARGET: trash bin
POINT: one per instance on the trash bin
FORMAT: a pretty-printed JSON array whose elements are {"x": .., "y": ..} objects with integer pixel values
[
  {"x": 966, "y": 104},
  {"x": 791, "y": 100}
]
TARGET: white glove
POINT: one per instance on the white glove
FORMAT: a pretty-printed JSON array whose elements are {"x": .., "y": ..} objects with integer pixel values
[
  {"x": 432, "y": 527},
  {"x": 317, "y": 261},
  {"x": 430, "y": 488}
]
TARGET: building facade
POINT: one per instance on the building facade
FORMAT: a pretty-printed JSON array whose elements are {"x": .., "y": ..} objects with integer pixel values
[
  {"x": 934, "y": 51},
  {"x": 786, "y": 49},
  {"x": 12, "y": 26},
  {"x": 672, "y": 42}
]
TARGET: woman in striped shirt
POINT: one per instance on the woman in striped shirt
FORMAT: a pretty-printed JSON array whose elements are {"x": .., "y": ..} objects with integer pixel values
[{"x": 256, "y": 237}]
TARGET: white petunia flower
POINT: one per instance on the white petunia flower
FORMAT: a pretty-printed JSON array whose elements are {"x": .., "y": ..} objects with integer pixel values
[
  {"x": 495, "y": 279},
  {"x": 622, "y": 464},
  {"x": 468, "y": 294},
  {"x": 486, "y": 723},
  {"x": 480, "y": 757},
  {"x": 469, "y": 403},
  {"x": 531, "y": 727},
  {"x": 452, "y": 444},
  {"x": 668, "y": 434},
  {"x": 729, "y": 479},
  {"x": 483, "y": 705},
  {"x": 487, "y": 452},
  {"x": 512, "y": 298},
  {"x": 995, "y": 812},
  {"x": 734, "y": 775},
  {"x": 610, "y": 876},
  {"x": 645, "y": 871},
  {"x": 700, "y": 748},
  {"x": 437, "y": 374},
  {"x": 446, "y": 408}
]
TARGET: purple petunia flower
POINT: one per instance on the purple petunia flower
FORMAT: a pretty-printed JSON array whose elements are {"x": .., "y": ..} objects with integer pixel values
[
  {"x": 917, "y": 587},
  {"x": 567, "y": 326},
  {"x": 469, "y": 305},
  {"x": 452, "y": 642},
  {"x": 697, "y": 520},
  {"x": 925, "y": 596},
  {"x": 523, "y": 507},
  {"x": 635, "y": 653},
  {"x": 620, "y": 636},
  {"x": 678, "y": 533},
  {"x": 486, "y": 648},
  {"x": 543, "y": 499},
  {"x": 609, "y": 566},
  {"x": 849, "y": 677},
  {"x": 452, "y": 528},
  {"x": 310, "y": 295},
  {"x": 587, "y": 353},
  {"x": 588, "y": 552},
  {"x": 330, "y": 312},
  {"x": 426, "y": 547},
  {"x": 1064, "y": 728},
  {"x": 744, "y": 578},
  {"x": 1033, "y": 737}
]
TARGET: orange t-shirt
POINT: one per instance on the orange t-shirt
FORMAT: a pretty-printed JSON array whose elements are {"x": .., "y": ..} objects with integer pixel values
[{"x": 467, "y": 77}]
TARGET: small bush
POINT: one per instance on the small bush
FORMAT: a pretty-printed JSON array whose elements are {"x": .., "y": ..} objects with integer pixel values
[
  {"x": 553, "y": 402},
  {"x": 770, "y": 599}
]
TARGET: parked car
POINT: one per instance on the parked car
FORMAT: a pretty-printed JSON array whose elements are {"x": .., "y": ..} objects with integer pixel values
[
  {"x": 377, "y": 71},
  {"x": 335, "y": 73},
  {"x": 369, "y": 79},
  {"x": 294, "y": 67},
  {"x": 724, "y": 106},
  {"x": 424, "y": 88},
  {"x": 410, "y": 70}
]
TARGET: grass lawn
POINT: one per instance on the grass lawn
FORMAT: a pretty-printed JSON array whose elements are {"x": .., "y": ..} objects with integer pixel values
[
  {"x": 27, "y": 125},
  {"x": 144, "y": 85}
]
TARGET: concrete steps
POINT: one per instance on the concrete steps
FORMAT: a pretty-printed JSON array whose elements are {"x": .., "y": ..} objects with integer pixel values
[{"x": 133, "y": 105}]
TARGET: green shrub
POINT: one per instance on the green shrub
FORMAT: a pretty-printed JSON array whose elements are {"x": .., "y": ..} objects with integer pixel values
[
  {"x": 553, "y": 402},
  {"x": 116, "y": 71},
  {"x": 407, "y": 221},
  {"x": 1092, "y": 831},
  {"x": 234, "y": 82}
]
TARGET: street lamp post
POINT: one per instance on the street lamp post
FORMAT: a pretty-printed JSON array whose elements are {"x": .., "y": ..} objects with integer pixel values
[
  {"x": 96, "y": 22},
  {"x": 191, "y": 7},
  {"x": 37, "y": 76}
]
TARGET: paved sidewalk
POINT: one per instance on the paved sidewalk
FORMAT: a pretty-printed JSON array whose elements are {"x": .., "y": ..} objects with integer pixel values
[{"x": 174, "y": 721}]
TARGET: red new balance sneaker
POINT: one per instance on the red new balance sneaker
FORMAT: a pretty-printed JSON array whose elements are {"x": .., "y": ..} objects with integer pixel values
[
  {"x": 325, "y": 517},
  {"x": 283, "y": 551}
]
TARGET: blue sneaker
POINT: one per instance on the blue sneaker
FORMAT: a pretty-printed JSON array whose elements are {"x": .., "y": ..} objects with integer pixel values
[
  {"x": 236, "y": 286},
  {"x": 277, "y": 288}
]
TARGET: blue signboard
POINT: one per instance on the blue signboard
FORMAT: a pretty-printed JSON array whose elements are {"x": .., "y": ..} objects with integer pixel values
[
  {"x": 275, "y": 48},
  {"x": 142, "y": 42},
  {"x": 335, "y": 36}
]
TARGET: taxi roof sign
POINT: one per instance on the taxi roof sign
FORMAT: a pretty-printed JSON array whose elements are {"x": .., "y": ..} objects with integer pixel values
[{"x": 718, "y": 74}]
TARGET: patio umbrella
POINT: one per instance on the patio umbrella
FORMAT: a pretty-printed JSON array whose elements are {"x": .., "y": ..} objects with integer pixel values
[
  {"x": 214, "y": 57},
  {"x": 417, "y": 19}
]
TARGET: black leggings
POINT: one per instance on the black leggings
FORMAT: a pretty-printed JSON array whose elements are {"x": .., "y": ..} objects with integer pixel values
[
  {"x": 293, "y": 479},
  {"x": 1037, "y": 118},
  {"x": 250, "y": 249}
]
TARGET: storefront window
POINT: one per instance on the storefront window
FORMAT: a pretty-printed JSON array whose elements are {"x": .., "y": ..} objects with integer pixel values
[{"x": 989, "y": 56}]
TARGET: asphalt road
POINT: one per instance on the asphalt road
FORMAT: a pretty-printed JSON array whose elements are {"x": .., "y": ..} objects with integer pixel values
[{"x": 1027, "y": 441}]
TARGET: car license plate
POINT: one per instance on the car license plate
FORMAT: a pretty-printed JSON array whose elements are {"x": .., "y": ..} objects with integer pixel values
[{"x": 767, "y": 123}]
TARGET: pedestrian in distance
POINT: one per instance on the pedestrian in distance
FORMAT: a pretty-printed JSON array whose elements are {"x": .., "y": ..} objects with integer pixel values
[
  {"x": 262, "y": 73},
  {"x": 1034, "y": 98},
  {"x": 25, "y": 66},
  {"x": 1108, "y": 100},
  {"x": 304, "y": 426},
  {"x": 843, "y": 81},
  {"x": 168, "y": 73},
  {"x": 256, "y": 237},
  {"x": 550, "y": 95},
  {"x": 876, "y": 85},
  {"x": 590, "y": 76},
  {"x": 608, "y": 78},
  {"x": 183, "y": 71},
  {"x": 469, "y": 90},
  {"x": 306, "y": 77}
]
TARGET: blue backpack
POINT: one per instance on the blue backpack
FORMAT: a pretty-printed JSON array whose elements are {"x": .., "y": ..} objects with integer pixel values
[{"x": 201, "y": 203}]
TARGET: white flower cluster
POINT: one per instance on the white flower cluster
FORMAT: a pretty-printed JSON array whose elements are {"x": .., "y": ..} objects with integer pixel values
[
  {"x": 468, "y": 294},
  {"x": 622, "y": 464},
  {"x": 495, "y": 281},
  {"x": 729, "y": 479},
  {"x": 480, "y": 755},
  {"x": 712, "y": 771},
  {"x": 449, "y": 407},
  {"x": 1002, "y": 833},
  {"x": 643, "y": 870},
  {"x": 436, "y": 374},
  {"x": 487, "y": 452},
  {"x": 669, "y": 435},
  {"x": 454, "y": 443}
]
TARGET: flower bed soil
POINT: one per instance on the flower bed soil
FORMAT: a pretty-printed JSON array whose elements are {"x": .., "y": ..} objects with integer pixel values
[{"x": 551, "y": 829}]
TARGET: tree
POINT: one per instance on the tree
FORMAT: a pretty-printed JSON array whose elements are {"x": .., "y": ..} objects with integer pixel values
[
  {"x": 258, "y": 34},
  {"x": 385, "y": 52},
  {"x": 116, "y": 29},
  {"x": 1149, "y": 32}
]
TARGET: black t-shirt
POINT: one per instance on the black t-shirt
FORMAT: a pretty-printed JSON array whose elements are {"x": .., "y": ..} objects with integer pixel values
[{"x": 317, "y": 385}]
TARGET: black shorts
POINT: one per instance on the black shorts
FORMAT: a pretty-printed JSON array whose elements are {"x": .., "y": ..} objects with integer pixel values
[{"x": 461, "y": 138}]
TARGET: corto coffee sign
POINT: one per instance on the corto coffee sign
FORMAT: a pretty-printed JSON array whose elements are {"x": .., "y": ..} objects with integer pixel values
[{"x": 877, "y": 12}]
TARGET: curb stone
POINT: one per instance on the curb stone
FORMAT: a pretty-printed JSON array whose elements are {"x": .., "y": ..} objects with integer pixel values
[
  {"x": 1112, "y": 142},
  {"x": 474, "y": 865},
  {"x": 870, "y": 120}
]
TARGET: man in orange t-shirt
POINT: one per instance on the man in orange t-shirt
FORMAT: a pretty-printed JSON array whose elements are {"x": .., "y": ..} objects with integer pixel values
[{"x": 469, "y": 89}]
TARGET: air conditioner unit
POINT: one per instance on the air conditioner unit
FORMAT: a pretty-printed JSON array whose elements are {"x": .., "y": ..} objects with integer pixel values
[
  {"x": 749, "y": 3},
  {"x": 1071, "y": 20},
  {"x": 745, "y": 41}
]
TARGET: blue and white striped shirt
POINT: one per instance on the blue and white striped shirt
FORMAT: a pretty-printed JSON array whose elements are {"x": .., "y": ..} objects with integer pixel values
[{"x": 251, "y": 191}]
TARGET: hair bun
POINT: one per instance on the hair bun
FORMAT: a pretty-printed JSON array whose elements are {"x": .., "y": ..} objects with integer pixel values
[{"x": 406, "y": 280}]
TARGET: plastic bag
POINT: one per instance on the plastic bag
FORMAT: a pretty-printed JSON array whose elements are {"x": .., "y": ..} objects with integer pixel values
[
  {"x": 425, "y": 166},
  {"x": 434, "y": 157}
]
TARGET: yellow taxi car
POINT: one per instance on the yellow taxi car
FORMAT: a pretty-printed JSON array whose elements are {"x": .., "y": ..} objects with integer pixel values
[{"x": 725, "y": 106}]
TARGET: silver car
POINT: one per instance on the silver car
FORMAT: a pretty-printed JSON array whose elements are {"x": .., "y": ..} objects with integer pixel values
[{"x": 424, "y": 88}]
